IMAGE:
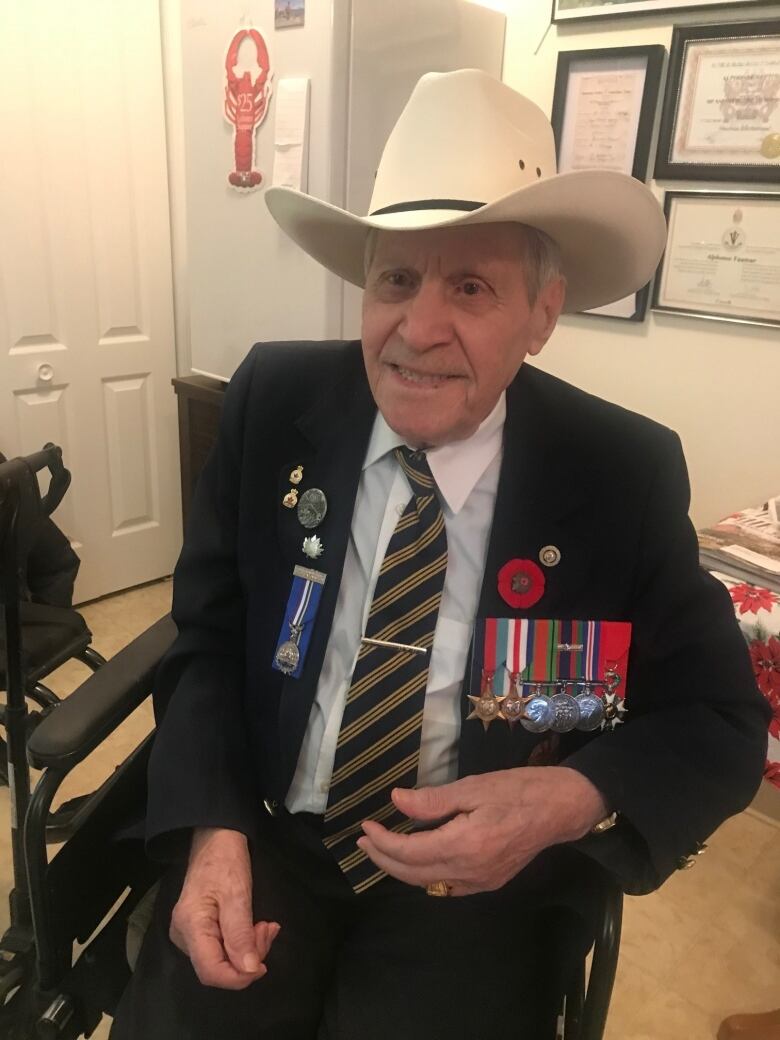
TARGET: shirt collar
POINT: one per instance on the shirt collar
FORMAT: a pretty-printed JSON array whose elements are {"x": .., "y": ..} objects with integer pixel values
[{"x": 456, "y": 467}]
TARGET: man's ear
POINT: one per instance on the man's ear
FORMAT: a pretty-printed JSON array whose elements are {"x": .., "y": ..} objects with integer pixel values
[{"x": 546, "y": 312}]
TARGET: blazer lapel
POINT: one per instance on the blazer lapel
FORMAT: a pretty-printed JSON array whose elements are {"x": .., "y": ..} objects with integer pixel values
[
  {"x": 333, "y": 440},
  {"x": 539, "y": 503}
]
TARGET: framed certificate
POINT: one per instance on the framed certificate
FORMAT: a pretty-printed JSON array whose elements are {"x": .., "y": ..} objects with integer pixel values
[
  {"x": 722, "y": 256},
  {"x": 721, "y": 114},
  {"x": 602, "y": 116},
  {"x": 579, "y": 10}
]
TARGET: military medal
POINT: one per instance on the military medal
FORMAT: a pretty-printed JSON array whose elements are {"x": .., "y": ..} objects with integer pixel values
[
  {"x": 566, "y": 711},
  {"x": 312, "y": 508},
  {"x": 513, "y": 706},
  {"x": 489, "y": 656},
  {"x": 299, "y": 615},
  {"x": 487, "y": 707},
  {"x": 287, "y": 654},
  {"x": 614, "y": 706},
  {"x": 591, "y": 709},
  {"x": 539, "y": 713}
]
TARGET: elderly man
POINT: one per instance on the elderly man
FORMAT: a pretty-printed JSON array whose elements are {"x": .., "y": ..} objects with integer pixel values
[{"x": 442, "y": 625}]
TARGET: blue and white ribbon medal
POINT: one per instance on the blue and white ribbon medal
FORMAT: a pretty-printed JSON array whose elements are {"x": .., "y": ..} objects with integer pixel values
[{"x": 299, "y": 614}]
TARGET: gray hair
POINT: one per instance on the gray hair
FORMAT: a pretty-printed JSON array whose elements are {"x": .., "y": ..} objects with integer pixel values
[{"x": 541, "y": 258}]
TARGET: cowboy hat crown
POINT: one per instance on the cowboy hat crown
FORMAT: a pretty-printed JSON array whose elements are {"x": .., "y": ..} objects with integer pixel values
[{"x": 467, "y": 149}]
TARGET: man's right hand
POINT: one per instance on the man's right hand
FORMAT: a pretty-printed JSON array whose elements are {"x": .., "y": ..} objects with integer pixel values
[{"x": 213, "y": 922}]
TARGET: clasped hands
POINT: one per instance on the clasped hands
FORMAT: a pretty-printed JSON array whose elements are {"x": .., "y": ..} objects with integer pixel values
[{"x": 496, "y": 823}]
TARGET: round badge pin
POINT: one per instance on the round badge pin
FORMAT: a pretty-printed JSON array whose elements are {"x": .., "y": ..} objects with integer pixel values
[
  {"x": 312, "y": 507},
  {"x": 550, "y": 555}
]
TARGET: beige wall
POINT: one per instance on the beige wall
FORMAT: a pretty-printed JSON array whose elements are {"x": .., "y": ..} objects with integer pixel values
[{"x": 717, "y": 383}]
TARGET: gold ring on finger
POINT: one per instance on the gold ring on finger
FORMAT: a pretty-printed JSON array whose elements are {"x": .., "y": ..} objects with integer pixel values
[{"x": 439, "y": 888}]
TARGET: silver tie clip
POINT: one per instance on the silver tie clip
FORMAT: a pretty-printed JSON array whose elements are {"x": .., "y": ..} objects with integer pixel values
[{"x": 394, "y": 646}]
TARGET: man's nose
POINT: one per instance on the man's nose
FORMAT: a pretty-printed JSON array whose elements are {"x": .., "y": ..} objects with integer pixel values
[{"x": 426, "y": 319}]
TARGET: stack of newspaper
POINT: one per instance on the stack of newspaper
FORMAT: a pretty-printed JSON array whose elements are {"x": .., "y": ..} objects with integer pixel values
[{"x": 746, "y": 545}]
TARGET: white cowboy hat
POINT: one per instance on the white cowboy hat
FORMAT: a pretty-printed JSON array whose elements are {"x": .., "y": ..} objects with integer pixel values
[{"x": 467, "y": 149}]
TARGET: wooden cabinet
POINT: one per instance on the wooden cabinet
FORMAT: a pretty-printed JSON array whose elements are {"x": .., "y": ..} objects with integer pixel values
[{"x": 200, "y": 401}]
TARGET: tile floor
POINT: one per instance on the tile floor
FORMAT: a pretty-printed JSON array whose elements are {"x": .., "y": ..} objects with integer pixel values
[{"x": 706, "y": 945}]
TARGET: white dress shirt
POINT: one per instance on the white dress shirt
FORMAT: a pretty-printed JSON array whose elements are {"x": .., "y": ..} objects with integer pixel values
[{"x": 466, "y": 474}]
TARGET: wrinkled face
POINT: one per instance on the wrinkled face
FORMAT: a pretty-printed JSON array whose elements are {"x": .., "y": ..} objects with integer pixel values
[{"x": 446, "y": 326}]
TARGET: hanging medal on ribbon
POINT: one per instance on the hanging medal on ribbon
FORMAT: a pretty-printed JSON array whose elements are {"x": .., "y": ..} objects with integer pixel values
[
  {"x": 299, "y": 616},
  {"x": 485, "y": 664},
  {"x": 513, "y": 706}
]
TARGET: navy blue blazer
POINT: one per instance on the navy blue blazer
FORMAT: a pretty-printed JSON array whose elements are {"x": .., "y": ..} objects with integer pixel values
[{"x": 607, "y": 486}]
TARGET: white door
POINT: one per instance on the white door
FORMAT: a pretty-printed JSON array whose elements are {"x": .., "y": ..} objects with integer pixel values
[{"x": 86, "y": 307}]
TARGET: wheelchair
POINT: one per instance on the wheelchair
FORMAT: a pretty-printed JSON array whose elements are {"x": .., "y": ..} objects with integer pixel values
[{"x": 85, "y": 896}]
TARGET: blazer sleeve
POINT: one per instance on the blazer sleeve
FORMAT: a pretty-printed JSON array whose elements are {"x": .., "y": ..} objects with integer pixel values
[
  {"x": 693, "y": 747},
  {"x": 199, "y": 772}
]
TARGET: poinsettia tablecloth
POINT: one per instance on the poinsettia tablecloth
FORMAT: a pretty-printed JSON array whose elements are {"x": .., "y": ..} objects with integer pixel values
[{"x": 758, "y": 613}]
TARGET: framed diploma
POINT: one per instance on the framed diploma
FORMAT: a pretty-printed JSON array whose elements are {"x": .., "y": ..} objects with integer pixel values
[
  {"x": 721, "y": 114},
  {"x": 602, "y": 116},
  {"x": 722, "y": 256},
  {"x": 579, "y": 10}
]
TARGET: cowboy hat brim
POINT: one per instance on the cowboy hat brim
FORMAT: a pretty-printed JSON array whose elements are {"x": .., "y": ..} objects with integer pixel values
[{"x": 610, "y": 230}]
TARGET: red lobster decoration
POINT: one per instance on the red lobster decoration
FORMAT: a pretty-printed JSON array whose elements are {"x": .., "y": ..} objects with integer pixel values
[{"x": 246, "y": 104}]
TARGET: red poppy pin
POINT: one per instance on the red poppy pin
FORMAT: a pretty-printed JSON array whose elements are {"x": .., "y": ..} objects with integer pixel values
[{"x": 521, "y": 583}]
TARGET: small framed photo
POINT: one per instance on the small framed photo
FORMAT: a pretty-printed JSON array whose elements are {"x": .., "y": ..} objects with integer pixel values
[
  {"x": 289, "y": 13},
  {"x": 722, "y": 258},
  {"x": 602, "y": 117},
  {"x": 580, "y": 10},
  {"x": 721, "y": 114}
]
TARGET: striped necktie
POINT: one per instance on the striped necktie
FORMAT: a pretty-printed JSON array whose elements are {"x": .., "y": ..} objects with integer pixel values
[{"x": 379, "y": 741}]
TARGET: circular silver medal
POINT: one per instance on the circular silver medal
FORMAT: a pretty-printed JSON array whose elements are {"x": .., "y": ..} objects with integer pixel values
[
  {"x": 312, "y": 508},
  {"x": 591, "y": 711},
  {"x": 566, "y": 713},
  {"x": 287, "y": 657},
  {"x": 538, "y": 714}
]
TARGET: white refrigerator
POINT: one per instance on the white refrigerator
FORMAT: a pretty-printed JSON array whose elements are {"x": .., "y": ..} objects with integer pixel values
[{"x": 246, "y": 281}]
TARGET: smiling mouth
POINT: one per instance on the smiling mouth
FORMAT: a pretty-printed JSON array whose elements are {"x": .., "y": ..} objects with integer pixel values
[{"x": 421, "y": 378}]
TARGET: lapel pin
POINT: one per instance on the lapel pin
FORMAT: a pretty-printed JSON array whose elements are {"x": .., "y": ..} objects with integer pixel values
[
  {"x": 313, "y": 547},
  {"x": 550, "y": 555},
  {"x": 290, "y": 500},
  {"x": 312, "y": 508},
  {"x": 297, "y": 475}
]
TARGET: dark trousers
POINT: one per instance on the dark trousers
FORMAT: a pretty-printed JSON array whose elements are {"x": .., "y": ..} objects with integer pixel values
[{"x": 393, "y": 962}]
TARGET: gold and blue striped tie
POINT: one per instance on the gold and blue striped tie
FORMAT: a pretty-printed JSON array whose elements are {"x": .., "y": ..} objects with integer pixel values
[{"x": 379, "y": 742}]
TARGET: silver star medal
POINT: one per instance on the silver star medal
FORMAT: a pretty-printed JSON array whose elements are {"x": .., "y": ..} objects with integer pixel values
[
  {"x": 313, "y": 547},
  {"x": 614, "y": 710}
]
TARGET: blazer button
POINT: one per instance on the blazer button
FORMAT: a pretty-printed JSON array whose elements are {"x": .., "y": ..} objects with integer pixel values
[
  {"x": 686, "y": 862},
  {"x": 271, "y": 806}
]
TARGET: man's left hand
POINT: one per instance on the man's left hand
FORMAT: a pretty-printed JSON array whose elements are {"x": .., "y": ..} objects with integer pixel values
[{"x": 497, "y": 823}]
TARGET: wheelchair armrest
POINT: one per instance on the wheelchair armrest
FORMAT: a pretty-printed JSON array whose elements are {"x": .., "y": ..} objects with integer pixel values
[{"x": 76, "y": 726}]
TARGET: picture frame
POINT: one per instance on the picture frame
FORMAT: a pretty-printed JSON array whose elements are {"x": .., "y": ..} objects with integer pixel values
[
  {"x": 584, "y": 10},
  {"x": 721, "y": 113},
  {"x": 722, "y": 257},
  {"x": 603, "y": 113}
]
